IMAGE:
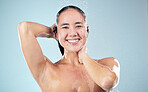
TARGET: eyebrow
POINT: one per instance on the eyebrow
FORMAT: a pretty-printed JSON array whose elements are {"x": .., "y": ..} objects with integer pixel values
[
  {"x": 68, "y": 23},
  {"x": 78, "y": 23},
  {"x": 64, "y": 24}
]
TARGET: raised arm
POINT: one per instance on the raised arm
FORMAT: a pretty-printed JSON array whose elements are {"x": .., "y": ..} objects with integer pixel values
[
  {"x": 104, "y": 72},
  {"x": 28, "y": 31}
]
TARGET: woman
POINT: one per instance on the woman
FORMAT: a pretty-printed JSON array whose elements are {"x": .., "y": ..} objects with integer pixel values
[{"x": 76, "y": 71}]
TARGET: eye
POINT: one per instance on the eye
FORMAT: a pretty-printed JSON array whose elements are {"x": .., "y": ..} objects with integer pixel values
[
  {"x": 78, "y": 26},
  {"x": 65, "y": 27}
]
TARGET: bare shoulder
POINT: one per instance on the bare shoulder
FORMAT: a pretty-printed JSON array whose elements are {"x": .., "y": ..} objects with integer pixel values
[{"x": 109, "y": 61}]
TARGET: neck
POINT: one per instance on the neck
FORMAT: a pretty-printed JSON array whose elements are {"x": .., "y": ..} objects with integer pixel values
[{"x": 71, "y": 58}]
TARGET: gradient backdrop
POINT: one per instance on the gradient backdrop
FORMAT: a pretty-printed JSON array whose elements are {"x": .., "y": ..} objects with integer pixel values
[{"x": 118, "y": 28}]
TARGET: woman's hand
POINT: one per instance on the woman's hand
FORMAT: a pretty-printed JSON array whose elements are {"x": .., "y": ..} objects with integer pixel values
[
  {"x": 50, "y": 32},
  {"x": 53, "y": 31},
  {"x": 82, "y": 53}
]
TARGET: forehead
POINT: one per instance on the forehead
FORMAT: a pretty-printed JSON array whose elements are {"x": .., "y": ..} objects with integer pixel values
[{"x": 70, "y": 16}]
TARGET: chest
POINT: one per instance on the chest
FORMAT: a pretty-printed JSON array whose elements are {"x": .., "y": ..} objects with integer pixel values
[
  {"x": 75, "y": 75},
  {"x": 77, "y": 80},
  {"x": 70, "y": 79}
]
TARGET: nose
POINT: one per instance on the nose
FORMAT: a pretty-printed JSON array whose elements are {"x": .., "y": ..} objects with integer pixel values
[{"x": 73, "y": 32}]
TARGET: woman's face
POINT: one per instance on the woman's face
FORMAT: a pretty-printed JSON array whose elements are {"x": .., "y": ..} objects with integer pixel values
[{"x": 72, "y": 30}]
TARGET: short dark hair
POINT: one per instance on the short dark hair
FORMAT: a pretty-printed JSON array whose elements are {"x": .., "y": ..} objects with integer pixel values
[{"x": 57, "y": 20}]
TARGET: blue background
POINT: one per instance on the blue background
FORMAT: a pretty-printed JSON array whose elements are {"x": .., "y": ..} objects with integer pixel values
[{"x": 118, "y": 28}]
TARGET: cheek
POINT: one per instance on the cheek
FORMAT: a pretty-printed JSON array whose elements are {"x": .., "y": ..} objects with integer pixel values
[
  {"x": 62, "y": 35},
  {"x": 83, "y": 33}
]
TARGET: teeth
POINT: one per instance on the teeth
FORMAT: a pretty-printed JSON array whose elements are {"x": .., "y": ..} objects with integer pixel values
[{"x": 72, "y": 40}]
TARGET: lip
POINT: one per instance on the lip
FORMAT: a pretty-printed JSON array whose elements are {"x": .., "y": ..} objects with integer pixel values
[{"x": 73, "y": 41}]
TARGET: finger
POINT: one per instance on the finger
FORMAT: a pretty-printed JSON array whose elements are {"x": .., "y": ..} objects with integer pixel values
[
  {"x": 53, "y": 27},
  {"x": 84, "y": 48}
]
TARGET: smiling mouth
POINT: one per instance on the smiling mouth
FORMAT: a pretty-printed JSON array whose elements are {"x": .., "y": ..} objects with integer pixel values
[{"x": 73, "y": 41}]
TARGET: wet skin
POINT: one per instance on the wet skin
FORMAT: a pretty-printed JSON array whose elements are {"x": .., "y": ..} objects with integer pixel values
[
  {"x": 69, "y": 78},
  {"x": 76, "y": 71}
]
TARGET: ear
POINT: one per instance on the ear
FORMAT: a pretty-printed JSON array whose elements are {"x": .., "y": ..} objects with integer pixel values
[
  {"x": 56, "y": 35},
  {"x": 56, "y": 32},
  {"x": 87, "y": 30}
]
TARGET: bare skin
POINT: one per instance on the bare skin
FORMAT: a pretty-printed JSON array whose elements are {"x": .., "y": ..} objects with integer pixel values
[{"x": 76, "y": 71}]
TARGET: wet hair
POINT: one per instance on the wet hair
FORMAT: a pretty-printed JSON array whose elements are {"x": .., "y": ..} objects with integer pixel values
[
  {"x": 70, "y": 7},
  {"x": 57, "y": 20}
]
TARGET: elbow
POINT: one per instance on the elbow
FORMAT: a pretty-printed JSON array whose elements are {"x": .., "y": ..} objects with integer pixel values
[
  {"x": 22, "y": 27},
  {"x": 109, "y": 82}
]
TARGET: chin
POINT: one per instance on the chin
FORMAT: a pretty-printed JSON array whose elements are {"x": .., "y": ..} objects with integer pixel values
[{"x": 72, "y": 49}]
